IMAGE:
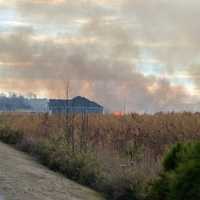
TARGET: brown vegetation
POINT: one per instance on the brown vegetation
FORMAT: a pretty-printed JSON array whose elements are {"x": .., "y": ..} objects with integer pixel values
[{"x": 128, "y": 148}]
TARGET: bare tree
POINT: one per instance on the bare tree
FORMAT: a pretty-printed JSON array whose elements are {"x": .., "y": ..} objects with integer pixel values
[
  {"x": 84, "y": 131},
  {"x": 69, "y": 119}
]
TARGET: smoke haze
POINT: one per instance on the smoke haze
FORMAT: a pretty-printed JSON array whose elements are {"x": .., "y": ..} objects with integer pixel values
[{"x": 140, "y": 53}]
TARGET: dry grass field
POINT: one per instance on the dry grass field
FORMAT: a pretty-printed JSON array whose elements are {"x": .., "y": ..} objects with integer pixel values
[{"x": 114, "y": 150}]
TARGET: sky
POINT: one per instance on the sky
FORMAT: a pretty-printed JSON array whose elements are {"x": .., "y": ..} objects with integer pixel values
[{"x": 133, "y": 55}]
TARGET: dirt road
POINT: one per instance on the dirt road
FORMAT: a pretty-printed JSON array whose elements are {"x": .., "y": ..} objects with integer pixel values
[{"x": 22, "y": 178}]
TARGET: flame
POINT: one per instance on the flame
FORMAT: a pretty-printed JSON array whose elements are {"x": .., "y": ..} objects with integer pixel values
[{"x": 118, "y": 114}]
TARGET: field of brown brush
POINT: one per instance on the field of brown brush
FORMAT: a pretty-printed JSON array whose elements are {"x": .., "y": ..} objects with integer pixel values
[
  {"x": 153, "y": 132},
  {"x": 127, "y": 146}
]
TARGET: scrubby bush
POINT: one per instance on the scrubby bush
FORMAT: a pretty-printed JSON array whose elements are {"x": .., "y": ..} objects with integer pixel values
[
  {"x": 10, "y": 136},
  {"x": 186, "y": 182},
  {"x": 120, "y": 188},
  {"x": 78, "y": 166},
  {"x": 180, "y": 179},
  {"x": 55, "y": 153},
  {"x": 180, "y": 154}
]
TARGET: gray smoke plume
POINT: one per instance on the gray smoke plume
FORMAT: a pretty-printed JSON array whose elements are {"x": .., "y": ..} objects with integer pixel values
[{"x": 99, "y": 47}]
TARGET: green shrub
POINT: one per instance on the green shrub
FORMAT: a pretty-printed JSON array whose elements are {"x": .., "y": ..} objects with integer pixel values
[
  {"x": 173, "y": 157},
  {"x": 89, "y": 169},
  {"x": 180, "y": 179},
  {"x": 119, "y": 188},
  {"x": 181, "y": 153},
  {"x": 10, "y": 136},
  {"x": 185, "y": 184},
  {"x": 81, "y": 167},
  {"x": 159, "y": 190}
]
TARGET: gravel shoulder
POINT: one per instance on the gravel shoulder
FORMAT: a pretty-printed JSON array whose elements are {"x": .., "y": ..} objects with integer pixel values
[{"x": 22, "y": 178}]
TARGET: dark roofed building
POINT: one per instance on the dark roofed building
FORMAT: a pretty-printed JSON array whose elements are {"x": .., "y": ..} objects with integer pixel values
[{"x": 75, "y": 105}]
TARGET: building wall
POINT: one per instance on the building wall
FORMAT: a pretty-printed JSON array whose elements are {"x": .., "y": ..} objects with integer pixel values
[
  {"x": 76, "y": 105},
  {"x": 38, "y": 105},
  {"x": 75, "y": 109}
]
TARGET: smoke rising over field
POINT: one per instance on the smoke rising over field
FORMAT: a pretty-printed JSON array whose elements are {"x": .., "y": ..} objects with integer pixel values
[{"x": 142, "y": 54}]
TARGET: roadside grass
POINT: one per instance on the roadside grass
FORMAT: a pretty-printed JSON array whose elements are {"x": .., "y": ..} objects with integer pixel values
[{"x": 82, "y": 167}]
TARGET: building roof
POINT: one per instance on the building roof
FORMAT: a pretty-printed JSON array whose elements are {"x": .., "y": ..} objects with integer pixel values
[{"x": 75, "y": 102}]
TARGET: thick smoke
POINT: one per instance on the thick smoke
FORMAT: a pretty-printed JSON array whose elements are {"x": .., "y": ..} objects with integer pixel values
[
  {"x": 169, "y": 28},
  {"x": 100, "y": 56}
]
